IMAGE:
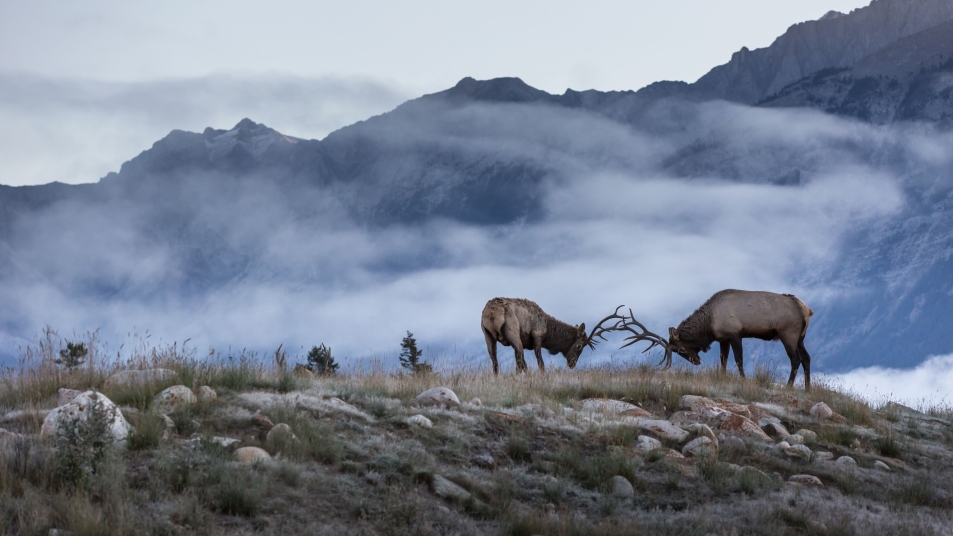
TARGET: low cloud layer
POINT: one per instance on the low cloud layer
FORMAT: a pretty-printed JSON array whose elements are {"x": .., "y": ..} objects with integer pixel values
[{"x": 929, "y": 384}]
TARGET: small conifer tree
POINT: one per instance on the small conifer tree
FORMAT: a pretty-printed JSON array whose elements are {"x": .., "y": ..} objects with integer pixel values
[
  {"x": 73, "y": 355},
  {"x": 410, "y": 355},
  {"x": 320, "y": 360}
]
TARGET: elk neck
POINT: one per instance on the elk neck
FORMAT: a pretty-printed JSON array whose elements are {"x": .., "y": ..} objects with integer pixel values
[
  {"x": 696, "y": 329},
  {"x": 560, "y": 336}
]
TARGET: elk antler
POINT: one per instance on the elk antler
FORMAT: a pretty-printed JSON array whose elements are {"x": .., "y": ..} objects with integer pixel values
[
  {"x": 643, "y": 334},
  {"x": 598, "y": 331}
]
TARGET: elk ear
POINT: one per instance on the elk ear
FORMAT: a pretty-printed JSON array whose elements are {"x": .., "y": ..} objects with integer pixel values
[
  {"x": 582, "y": 327},
  {"x": 673, "y": 334}
]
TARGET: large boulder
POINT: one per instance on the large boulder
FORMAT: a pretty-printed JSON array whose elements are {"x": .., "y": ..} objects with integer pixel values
[
  {"x": 173, "y": 398},
  {"x": 608, "y": 406},
  {"x": 647, "y": 444},
  {"x": 663, "y": 429},
  {"x": 438, "y": 396},
  {"x": 251, "y": 455},
  {"x": 621, "y": 487},
  {"x": 700, "y": 446},
  {"x": 821, "y": 411},
  {"x": 78, "y": 410},
  {"x": 131, "y": 378},
  {"x": 694, "y": 403},
  {"x": 737, "y": 425},
  {"x": 733, "y": 407}
]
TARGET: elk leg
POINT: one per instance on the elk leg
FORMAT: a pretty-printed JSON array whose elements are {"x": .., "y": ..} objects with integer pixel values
[
  {"x": 739, "y": 355},
  {"x": 806, "y": 363},
  {"x": 724, "y": 355},
  {"x": 795, "y": 357},
  {"x": 491, "y": 348},
  {"x": 512, "y": 333}
]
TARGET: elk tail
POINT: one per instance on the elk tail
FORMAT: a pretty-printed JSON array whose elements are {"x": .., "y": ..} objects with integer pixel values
[{"x": 806, "y": 312}]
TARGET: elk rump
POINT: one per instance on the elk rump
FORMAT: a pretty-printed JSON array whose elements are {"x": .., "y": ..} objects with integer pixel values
[{"x": 732, "y": 315}]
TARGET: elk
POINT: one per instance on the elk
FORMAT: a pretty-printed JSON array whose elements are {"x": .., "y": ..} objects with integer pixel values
[
  {"x": 523, "y": 324},
  {"x": 732, "y": 315}
]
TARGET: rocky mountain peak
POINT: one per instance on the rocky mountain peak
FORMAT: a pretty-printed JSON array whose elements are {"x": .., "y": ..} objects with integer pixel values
[{"x": 506, "y": 89}]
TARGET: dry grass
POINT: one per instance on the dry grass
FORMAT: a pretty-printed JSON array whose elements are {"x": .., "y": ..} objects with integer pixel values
[{"x": 360, "y": 468}]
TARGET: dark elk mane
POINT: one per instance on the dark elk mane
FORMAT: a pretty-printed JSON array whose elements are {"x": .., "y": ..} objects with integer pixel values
[{"x": 562, "y": 335}]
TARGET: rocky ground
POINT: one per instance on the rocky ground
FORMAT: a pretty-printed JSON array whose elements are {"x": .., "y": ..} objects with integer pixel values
[{"x": 241, "y": 450}]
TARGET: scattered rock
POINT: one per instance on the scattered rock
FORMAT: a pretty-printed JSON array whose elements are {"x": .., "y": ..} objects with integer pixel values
[
  {"x": 806, "y": 480},
  {"x": 734, "y": 444},
  {"x": 251, "y": 455},
  {"x": 65, "y": 396},
  {"x": 823, "y": 456},
  {"x": 881, "y": 465},
  {"x": 798, "y": 452},
  {"x": 794, "y": 439},
  {"x": 809, "y": 435},
  {"x": 733, "y": 407},
  {"x": 663, "y": 429},
  {"x": 762, "y": 417},
  {"x": 302, "y": 372},
  {"x": 775, "y": 429},
  {"x": 621, "y": 487},
  {"x": 205, "y": 394},
  {"x": 173, "y": 398},
  {"x": 475, "y": 402},
  {"x": 695, "y": 403},
  {"x": 638, "y": 413},
  {"x": 740, "y": 426},
  {"x": 438, "y": 396},
  {"x": 78, "y": 410},
  {"x": 605, "y": 405},
  {"x": 647, "y": 444},
  {"x": 448, "y": 490},
  {"x": 782, "y": 446},
  {"x": 484, "y": 461},
  {"x": 821, "y": 411},
  {"x": 280, "y": 434},
  {"x": 845, "y": 462},
  {"x": 419, "y": 420},
  {"x": 673, "y": 455},
  {"x": 699, "y": 446},
  {"x": 130, "y": 378},
  {"x": 702, "y": 430}
]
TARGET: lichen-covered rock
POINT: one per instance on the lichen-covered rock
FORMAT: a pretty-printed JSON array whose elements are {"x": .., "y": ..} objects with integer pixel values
[
  {"x": 638, "y": 413},
  {"x": 605, "y": 405},
  {"x": 205, "y": 394},
  {"x": 448, "y": 490},
  {"x": 700, "y": 446},
  {"x": 173, "y": 398},
  {"x": 762, "y": 417},
  {"x": 806, "y": 480},
  {"x": 798, "y": 452},
  {"x": 821, "y": 411},
  {"x": 733, "y": 407},
  {"x": 419, "y": 420},
  {"x": 663, "y": 429},
  {"x": 438, "y": 396},
  {"x": 130, "y": 378},
  {"x": 78, "y": 410},
  {"x": 809, "y": 435},
  {"x": 251, "y": 455},
  {"x": 647, "y": 444},
  {"x": 695, "y": 403},
  {"x": 776, "y": 430},
  {"x": 621, "y": 487},
  {"x": 703, "y": 430},
  {"x": 739, "y": 426}
]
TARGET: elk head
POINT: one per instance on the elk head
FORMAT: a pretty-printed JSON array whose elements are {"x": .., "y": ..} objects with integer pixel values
[
  {"x": 683, "y": 348},
  {"x": 574, "y": 351},
  {"x": 640, "y": 333}
]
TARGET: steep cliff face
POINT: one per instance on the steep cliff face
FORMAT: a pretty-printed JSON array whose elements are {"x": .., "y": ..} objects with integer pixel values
[{"x": 809, "y": 47}]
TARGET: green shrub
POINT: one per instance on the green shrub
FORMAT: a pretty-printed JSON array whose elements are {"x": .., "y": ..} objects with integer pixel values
[
  {"x": 83, "y": 445},
  {"x": 320, "y": 361}
]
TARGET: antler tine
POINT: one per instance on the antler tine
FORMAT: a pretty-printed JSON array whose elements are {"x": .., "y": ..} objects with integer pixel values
[
  {"x": 644, "y": 335},
  {"x": 599, "y": 331}
]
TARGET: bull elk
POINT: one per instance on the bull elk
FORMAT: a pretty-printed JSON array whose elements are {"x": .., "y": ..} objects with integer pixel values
[
  {"x": 523, "y": 324},
  {"x": 732, "y": 315}
]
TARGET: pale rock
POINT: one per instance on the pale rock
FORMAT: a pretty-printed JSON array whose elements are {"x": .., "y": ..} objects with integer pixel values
[
  {"x": 845, "y": 462},
  {"x": 700, "y": 446},
  {"x": 806, "y": 480},
  {"x": 78, "y": 409},
  {"x": 794, "y": 439},
  {"x": 205, "y": 394},
  {"x": 695, "y": 403},
  {"x": 280, "y": 434},
  {"x": 733, "y": 407},
  {"x": 663, "y": 429},
  {"x": 638, "y": 413},
  {"x": 448, "y": 490},
  {"x": 251, "y": 455},
  {"x": 619, "y": 486},
  {"x": 65, "y": 396},
  {"x": 419, "y": 420},
  {"x": 647, "y": 444},
  {"x": 799, "y": 452},
  {"x": 605, "y": 405},
  {"x": 809, "y": 436},
  {"x": 130, "y": 378},
  {"x": 762, "y": 417},
  {"x": 484, "y": 461},
  {"x": 823, "y": 456},
  {"x": 674, "y": 455},
  {"x": 438, "y": 396},
  {"x": 173, "y": 398},
  {"x": 734, "y": 444},
  {"x": 705, "y": 431},
  {"x": 775, "y": 429},
  {"x": 821, "y": 411},
  {"x": 782, "y": 446},
  {"x": 475, "y": 402},
  {"x": 740, "y": 426},
  {"x": 881, "y": 465}
]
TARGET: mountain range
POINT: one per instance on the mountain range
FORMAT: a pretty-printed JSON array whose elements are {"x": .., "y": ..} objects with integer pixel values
[{"x": 849, "y": 114}]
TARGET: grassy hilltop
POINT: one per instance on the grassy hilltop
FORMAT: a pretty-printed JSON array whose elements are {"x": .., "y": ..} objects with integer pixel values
[{"x": 530, "y": 457}]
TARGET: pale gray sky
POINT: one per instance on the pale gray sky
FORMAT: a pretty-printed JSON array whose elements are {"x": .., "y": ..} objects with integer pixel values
[{"x": 85, "y": 86}]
